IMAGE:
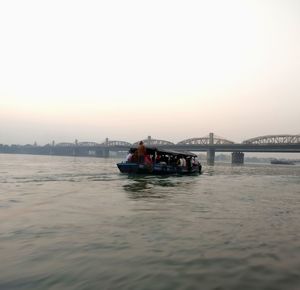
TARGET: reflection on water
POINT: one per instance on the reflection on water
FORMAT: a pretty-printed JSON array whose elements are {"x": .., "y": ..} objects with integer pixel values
[
  {"x": 142, "y": 186},
  {"x": 137, "y": 185},
  {"x": 77, "y": 223},
  {"x": 146, "y": 183}
]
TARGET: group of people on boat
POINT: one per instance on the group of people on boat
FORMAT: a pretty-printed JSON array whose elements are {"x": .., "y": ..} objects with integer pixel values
[{"x": 139, "y": 155}]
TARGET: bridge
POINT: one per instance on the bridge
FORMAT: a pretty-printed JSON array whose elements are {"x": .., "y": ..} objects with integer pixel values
[{"x": 210, "y": 144}]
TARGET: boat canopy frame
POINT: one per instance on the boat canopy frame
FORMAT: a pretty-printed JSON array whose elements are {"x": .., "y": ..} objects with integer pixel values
[{"x": 152, "y": 150}]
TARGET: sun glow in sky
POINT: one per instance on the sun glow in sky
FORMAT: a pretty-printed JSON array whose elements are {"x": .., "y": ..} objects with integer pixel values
[{"x": 88, "y": 70}]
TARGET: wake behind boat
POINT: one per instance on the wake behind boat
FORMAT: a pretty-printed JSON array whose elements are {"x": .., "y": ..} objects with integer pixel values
[{"x": 161, "y": 162}]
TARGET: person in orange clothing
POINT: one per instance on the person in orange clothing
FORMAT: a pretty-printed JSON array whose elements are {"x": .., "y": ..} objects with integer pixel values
[
  {"x": 147, "y": 160},
  {"x": 141, "y": 152}
]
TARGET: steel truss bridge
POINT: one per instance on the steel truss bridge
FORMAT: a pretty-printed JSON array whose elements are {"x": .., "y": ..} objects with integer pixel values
[{"x": 210, "y": 144}]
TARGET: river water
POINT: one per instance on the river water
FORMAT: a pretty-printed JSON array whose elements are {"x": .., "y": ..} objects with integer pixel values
[{"x": 77, "y": 223}]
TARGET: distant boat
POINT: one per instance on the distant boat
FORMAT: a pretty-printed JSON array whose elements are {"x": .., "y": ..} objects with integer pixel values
[{"x": 280, "y": 161}]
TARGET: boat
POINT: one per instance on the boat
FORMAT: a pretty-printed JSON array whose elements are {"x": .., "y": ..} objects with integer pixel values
[
  {"x": 281, "y": 161},
  {"x": 161, "y": 162}
]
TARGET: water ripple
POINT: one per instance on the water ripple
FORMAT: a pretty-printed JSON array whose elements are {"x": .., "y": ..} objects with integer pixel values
[{"x": 77, "y": 223}]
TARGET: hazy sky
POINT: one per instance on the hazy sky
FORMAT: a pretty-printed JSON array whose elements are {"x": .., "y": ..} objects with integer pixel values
[{"x": 129, "y": 69}]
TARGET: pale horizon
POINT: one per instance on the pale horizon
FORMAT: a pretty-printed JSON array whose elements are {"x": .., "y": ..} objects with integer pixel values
[{"x": 128, "y": 69}]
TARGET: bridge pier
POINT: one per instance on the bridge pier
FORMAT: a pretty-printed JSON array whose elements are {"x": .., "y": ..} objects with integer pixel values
[
  {"x": 102, "y": 152},
  {"x": 105, "y": 152},
  {"x": 75, "y": 149},
  {"x": 210, "y": 156},
  {"x": 211, "y": 151},
  {"x": 237, "y": 158}
]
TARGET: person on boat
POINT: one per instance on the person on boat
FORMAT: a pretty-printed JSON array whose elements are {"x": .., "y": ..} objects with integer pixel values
[
  {"x": 147, "y": 160},
  {"x": 197, "y": 163},
  {"x": 158, "y": 158},
  {"x": 189, "y": 164},
  {"x": 141, "y": 151},
  {"x": 129, "y": 156},
  {"x": 180, "y": 162},
  {"x": 135, "y": 158}
]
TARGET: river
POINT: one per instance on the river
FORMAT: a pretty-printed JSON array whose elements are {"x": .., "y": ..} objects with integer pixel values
[{"x": 77, "y": 223}]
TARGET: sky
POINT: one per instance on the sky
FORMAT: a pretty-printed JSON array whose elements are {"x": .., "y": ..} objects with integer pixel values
[{"x": 174, "y": 70}]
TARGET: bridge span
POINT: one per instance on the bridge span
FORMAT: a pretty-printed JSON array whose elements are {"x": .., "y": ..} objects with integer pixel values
[{"x": 210, "y": 144}]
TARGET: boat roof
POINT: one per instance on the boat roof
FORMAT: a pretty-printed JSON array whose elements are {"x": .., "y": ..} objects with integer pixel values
[{"x": 152, "y": 149}]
